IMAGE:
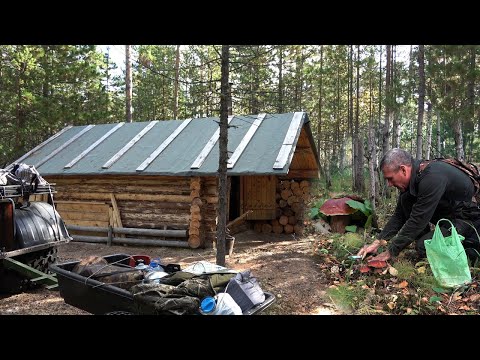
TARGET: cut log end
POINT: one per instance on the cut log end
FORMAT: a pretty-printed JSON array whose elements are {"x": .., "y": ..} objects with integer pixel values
[{"x": 194, "y": 241}]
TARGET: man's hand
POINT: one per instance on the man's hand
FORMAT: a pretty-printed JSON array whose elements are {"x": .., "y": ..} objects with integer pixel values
[
  {"x": 372, "y": 248},
  {"x": 367, "y": 249},
  {"x": 384, "y": 256}
]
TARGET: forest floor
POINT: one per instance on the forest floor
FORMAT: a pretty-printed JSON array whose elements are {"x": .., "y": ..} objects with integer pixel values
[
  {"x": 285, "y": 266},
  {"x": 310, "y": 275}
]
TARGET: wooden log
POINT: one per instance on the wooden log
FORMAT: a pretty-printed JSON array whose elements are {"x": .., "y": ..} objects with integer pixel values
[
  {"x": 283, "y": 220},
  {"x": 286, "y": 194},
  {"x": 292, "y": 220},
  {"x": 304, "y": 184},
  {"x": 297, "y": 207},
  {"x": 160, "y": 217},
  {"x": 194, "y": 241},
  {"x": 195, "y": 209},
  {"x": 292, "y": 199},
  {"x": 193, "y": 231},
  {"x": 153, "y": 205},
  {"x": 212, "y": 199},
  {"x": 288, "y": 229},
  {"x": 298, "y": 229},
  {"x": 194, "y": 223},
  {"x": 266, "y": 228},
  {"x": 294, "y": 185},
  {"x": 239, "y": 219},
  {"x": 282, "y": 203},
  {"x": 85, "y": 215},
  {"x": 197, "y": 201},
  {"x": 132, "y": 189},
  {"x": 211, "y": 190},
  {"x": 285, "y": 184},
  {"x": 196, "y": 216},
  {"x": 116, "y": 212},
  {"x": 297, "y": 192},
  {"x": 87, "y": 223},
  {"x": 153, "y": 212},
  {"x": 129, "y": 197},
  {"x": 278, "y": 196},
  {"x": 288, "y": 211},
  {"x": 258, "y": 226},
  {"x": 277, "y": 229}
]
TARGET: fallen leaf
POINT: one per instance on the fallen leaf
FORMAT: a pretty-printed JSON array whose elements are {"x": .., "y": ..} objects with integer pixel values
[
  {"x": 456, "y": 296},
  {"x": 403, "y": 284},
  {"x": 474, "y": 297},
  {"x": 421, "y": 270},
  {"x": 391, "y": 305},
  {"x": 409, "y": 310},
  {"x": 392, "y": 271},
  {"x": 465, "y": 307}
]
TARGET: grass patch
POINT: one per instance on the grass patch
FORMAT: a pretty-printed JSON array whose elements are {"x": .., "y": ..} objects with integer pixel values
[
  {"x": 346, "y": 244},
  {"x": 347, "y": 298}
]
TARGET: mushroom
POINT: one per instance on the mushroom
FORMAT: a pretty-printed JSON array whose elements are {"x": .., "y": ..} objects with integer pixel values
[{"x": 339, "y": 211}]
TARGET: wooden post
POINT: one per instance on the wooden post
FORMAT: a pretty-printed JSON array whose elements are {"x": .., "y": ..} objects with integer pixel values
[{"x": 110, "y": 235}]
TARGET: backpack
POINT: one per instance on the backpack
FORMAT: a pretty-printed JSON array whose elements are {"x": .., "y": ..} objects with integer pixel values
[{"x": 468, "y": 168}]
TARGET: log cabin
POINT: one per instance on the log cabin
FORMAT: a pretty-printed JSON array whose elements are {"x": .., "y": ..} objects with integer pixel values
[{"x": 163, "y": 174}]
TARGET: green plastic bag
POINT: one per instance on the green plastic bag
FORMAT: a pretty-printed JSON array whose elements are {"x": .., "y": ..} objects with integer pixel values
[{"x": 447, "y": 258}]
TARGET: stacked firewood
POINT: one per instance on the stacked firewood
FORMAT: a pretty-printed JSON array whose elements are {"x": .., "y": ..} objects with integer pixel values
[{"x": 291, "y": 197}]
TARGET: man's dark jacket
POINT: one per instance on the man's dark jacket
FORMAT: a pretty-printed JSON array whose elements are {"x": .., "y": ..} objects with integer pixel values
[{"x": 432, "y": 195}]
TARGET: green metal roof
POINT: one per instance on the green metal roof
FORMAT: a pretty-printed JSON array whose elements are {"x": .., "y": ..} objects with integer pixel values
[{"x": 97, "y": 149}]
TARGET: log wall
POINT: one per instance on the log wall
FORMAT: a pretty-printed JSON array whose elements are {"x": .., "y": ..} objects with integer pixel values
[{"x": 151, "y": 202}]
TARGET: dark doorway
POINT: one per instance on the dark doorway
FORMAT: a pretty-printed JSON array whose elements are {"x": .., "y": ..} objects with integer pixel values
[{"x": 234, "y": 210}]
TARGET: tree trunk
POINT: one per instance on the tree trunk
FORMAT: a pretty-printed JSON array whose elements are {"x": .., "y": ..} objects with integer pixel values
[
  {"x": 177, "y": 71},
  {"x": 439, "y": 138},
  {"x": 222, "y": 166},
  {"x": 280, "y": 80},
  {"x": 429, "y": 135},
  {"x": 421, "y": 100},
  {"x": 388, "y": 90},
  {"x": 358, "y": 154},
  {"x": 319, "y": 125},
  {"x": 457, "y": 134},
  {"x": 372, "y": 151},
  {"x": 128, "y": 84}
]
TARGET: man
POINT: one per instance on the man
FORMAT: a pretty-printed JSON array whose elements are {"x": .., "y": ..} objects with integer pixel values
[{"x": 427, "y": 194}]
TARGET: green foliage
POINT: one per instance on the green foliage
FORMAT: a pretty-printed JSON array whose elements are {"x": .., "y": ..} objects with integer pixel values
[
  {"x": 365, "y": 208},
  {"x": 315, "y": 210},
  {"x": 351, "y": 228},
  {"x": 347, "y": 297},
  {"x": 422, "y": 280},
  {"x": 346, "y": 244}
]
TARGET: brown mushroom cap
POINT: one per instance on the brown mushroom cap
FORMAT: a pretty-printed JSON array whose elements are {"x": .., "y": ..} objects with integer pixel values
[{"x": 333, "y": 207}]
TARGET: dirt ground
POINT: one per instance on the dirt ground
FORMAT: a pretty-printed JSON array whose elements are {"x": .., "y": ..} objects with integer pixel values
[{"x": 284, "y": 265}]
